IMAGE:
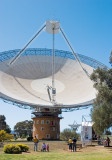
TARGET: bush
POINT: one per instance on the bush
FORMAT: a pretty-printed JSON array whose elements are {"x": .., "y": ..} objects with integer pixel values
[
  {"x": 24, "y": 148},
  {"x": 13, "y": 149},
  {"x": 5, "y": 136},
  {"x": 29, "y": 138}
]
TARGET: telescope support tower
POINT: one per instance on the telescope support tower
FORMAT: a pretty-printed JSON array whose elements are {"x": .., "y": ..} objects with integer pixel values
[{"x": 46, "y": 123}]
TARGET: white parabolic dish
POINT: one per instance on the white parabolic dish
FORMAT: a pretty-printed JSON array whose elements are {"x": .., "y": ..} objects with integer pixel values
[{"x": 25, "y": 82}]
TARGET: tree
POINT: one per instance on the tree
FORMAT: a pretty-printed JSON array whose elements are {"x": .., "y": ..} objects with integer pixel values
[
  {"x": 2, "y": 122},
  {"x": 4, "y": 125},
  {"x": 24, "y": 128},
  {"x": 7, "y": 129},
  {"x": 5, "y": 136},
  {"x": 68, "y": 133},
  {"x": 110, "y": 58},
  {"x": 102, "y": 107}
]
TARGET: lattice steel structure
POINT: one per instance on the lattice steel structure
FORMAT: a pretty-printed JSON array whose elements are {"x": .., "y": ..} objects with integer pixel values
[{"x": 6, "y": 55}]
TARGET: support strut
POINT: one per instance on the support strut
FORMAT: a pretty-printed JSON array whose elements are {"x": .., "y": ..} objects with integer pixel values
[
  {"x": 53, "y": 70},
  {"x": 75, "y": 55},
  {"x": 24, "y": 48}
]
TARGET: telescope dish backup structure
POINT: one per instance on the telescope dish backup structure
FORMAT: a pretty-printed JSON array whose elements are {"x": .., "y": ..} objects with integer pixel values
[{"x": 47, "y": 78}]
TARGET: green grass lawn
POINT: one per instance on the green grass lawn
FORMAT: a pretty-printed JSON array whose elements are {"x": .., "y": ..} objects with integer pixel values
[{"x": 59, "y": 151}]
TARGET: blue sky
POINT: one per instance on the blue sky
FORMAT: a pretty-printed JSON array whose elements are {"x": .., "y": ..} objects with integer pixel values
[{"x": 87, "y": 24}]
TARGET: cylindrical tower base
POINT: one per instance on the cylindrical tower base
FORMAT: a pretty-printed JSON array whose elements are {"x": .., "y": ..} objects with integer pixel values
[
  {"x": 46, "y": 127},
  {"x": 46, "y": 124}
]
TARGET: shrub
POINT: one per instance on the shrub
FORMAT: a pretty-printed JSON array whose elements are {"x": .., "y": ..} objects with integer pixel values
[
  {"x": 29, "y": 138},
  {"x": 10, "y": 148},
  {"x": 24, "y": 148},
  {"x": 5, "y": 136},
  {"x": 14, "y": 149}
]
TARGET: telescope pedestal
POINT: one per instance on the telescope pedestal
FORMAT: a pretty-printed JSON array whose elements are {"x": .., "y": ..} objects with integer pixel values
[{"x": 46, "y": 124}]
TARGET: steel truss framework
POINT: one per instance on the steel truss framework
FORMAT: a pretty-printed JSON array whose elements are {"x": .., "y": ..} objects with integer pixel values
[
  {"x": 6, "y": 55},
  {"x": 24, "y": 106},
  {"x": 48, "y": 52}
]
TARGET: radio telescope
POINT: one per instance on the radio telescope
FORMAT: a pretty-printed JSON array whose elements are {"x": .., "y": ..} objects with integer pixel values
[{"x": 47, "y": 80}]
